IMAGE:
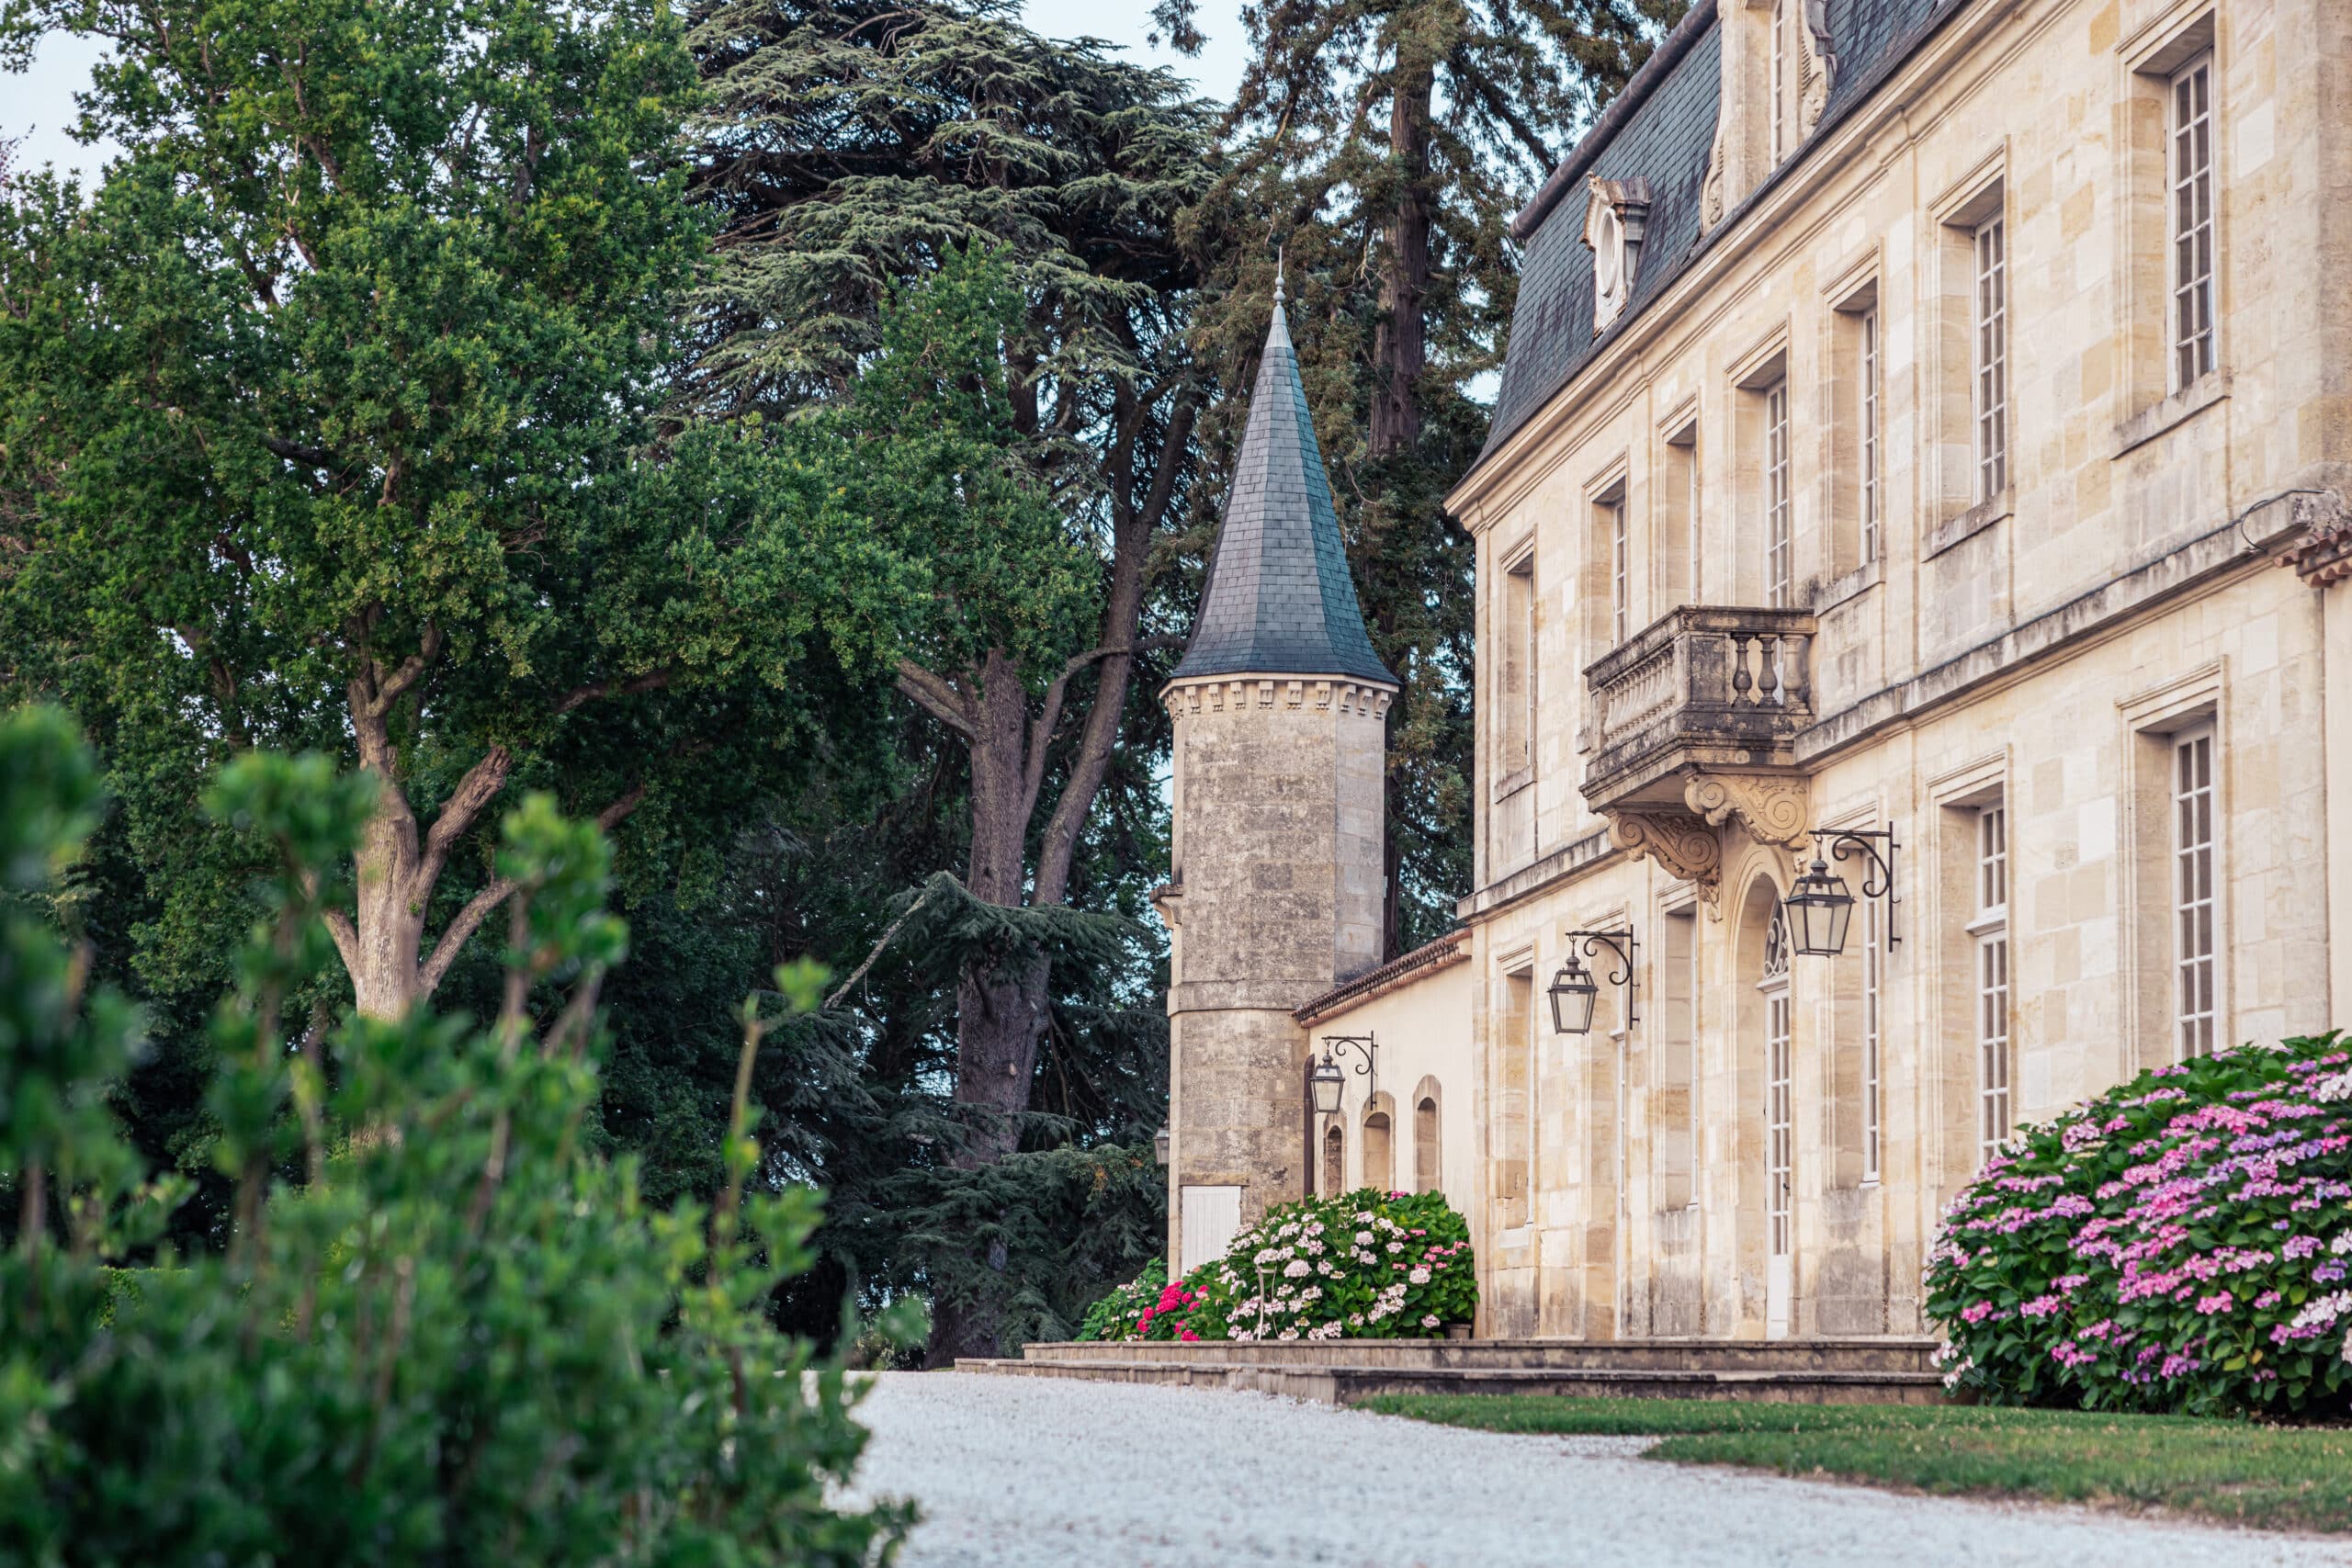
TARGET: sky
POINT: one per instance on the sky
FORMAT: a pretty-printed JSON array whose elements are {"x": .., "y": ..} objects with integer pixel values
[{"x": 37, "y": 107}]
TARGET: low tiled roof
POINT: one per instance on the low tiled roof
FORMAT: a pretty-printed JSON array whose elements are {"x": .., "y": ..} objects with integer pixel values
[
  {"x": 1279, "y": 599},
  {"x": 1451, "y": 948},
  {"x": 1663, "y": 134}
]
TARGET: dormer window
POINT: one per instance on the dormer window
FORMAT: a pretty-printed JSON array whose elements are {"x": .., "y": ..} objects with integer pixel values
[{"x": 1616, "y": 214}]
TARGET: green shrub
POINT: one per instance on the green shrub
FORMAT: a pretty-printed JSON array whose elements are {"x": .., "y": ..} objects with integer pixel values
[
  {"x": 442, "y": 1331},
  {"x": 2178, "y": 1243},
  {"x": 1119, "y": 1314}
]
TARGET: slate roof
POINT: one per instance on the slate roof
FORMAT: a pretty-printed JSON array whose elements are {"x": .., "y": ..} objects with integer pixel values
[
  {"x": 1664, "y": 135},
  {"x": 1279, "y": 599}
]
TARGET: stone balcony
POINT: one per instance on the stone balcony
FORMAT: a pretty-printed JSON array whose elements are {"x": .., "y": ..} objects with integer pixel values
[{"x": 1693, "y": 722}]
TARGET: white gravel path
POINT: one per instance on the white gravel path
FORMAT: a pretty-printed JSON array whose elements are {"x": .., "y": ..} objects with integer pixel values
[{"x": 1039, "y": 1473}]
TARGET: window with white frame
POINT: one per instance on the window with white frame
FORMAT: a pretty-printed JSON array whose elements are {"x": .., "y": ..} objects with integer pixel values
[
  {"x": 1779, "y": 80},
  {"x": 1621, "y": 578},
  {"x": 1780, "y": 1081},
  {"x": 2192, "y": 890},
  {"x": 1989, "y": 932},
  {"x": 1873, "y": 961},
  {"x": 2189, "y": 178},
  {"x": 1991, "y": 357},
  {"x": 1873, "y": 453},
  {"x": 1779, "y": 547}
]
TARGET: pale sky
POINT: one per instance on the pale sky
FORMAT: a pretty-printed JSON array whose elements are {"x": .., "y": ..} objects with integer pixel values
[{"x": 38, "y": 106}]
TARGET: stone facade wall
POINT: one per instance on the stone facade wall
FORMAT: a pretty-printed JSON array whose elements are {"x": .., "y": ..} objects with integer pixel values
[{"x": 2034, "y": 648}]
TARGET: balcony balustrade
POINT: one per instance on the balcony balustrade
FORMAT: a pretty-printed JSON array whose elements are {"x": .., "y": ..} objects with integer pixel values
[{"x": 1704, "y": 690}]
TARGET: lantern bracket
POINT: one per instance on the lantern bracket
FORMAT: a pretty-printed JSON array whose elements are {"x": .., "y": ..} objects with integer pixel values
[
  {"x": 1367, "y": 1047},
  {"x": 1878, "y": 877},
  {"x": 1622, "y": 947}
]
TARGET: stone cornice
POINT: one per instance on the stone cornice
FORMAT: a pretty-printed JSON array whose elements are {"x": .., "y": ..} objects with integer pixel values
[
  {"x": 2320, "y": 552},
  {"x": 1220, "y": 693}
]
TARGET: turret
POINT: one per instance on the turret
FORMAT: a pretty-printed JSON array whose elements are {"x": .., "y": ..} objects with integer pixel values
[{"x": 1276, "y": 892}]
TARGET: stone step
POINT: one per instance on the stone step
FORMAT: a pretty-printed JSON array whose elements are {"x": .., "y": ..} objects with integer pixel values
[
  {"x": 1347, "y": 1384},
  {"x": 1873, "y": 1357}
]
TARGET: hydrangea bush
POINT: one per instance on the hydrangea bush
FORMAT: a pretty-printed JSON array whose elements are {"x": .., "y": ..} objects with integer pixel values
[
  {"x": 1366, "y": 1265},
  {"x": 1146, "y": 1307},
  {"x": 2181, "y": 1243},
  {"x": 1361, "y": 1266}
]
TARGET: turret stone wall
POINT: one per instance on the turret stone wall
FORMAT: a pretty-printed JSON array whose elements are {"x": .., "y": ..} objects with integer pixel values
[{"x": 1275, "y": 900}]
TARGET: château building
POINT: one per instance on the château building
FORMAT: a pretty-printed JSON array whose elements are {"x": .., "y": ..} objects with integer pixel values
[{"x": 1922, "y": 450}]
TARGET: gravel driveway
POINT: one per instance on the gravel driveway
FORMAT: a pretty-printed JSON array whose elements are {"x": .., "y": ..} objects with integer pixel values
[{"x": 1037, "y": 1473}]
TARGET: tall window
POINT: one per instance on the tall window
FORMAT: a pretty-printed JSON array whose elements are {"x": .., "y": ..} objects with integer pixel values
[
  {"x": 1517, "y": 607},
  {"x": 1991, "y": 931},
  {"x": 1779, "y": 550},
  {"x": 1780, "y": 1120},
  {"x": 2189, "y": 125},
  {"x": 1779, "y": 80},
  {"x": 1334, "y": 1164},
  {"x": 2192, "y": 885},
  {"x": 1992, "y": 357},
  {"x": 1873, "y": 961},
  {"x": 1620, "y": 580},
  {"x": 1873, "y": 453}
]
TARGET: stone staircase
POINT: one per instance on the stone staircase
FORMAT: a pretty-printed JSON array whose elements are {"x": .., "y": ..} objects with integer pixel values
[{"x": 1342, "y": 1371}]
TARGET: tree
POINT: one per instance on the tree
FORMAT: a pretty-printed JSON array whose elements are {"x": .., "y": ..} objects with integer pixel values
[
  {"x": 326, "y": 423},
  {"x": 1383, "y": 145},
  {"x": 848, "y": 146}
]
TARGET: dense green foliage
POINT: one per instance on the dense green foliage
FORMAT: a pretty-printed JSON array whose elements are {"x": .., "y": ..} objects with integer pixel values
[
  {"x": 2178, "y": 1243},
  {"x": 2274, "y": 1477},
  {"x": 442, "y": 1329},
  {"x": 785, "y": 432}
]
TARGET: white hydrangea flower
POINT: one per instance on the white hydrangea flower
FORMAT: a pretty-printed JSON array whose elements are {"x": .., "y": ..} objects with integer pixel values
[{"x": 1418, "y": 1277}]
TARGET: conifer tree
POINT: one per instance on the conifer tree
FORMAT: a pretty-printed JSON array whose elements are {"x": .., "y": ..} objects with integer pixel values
[{"x": 851, "y": 144}]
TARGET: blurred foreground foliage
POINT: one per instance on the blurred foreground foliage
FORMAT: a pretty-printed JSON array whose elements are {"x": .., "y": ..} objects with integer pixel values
[{"x": 444, "y": 1327}]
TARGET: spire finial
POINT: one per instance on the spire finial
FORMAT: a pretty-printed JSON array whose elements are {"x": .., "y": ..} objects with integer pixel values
[{"x": 1278, "y": 275}]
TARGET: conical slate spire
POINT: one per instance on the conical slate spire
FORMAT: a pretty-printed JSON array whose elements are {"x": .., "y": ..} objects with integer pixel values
[{"x": 1280, "y": 601}]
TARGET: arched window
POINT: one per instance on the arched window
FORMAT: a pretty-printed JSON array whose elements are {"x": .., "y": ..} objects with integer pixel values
[
  {"x": 1335, "y": 1172},
  {"x": 1379, "y": 1167},
  {"x": 1429, "y": 1169}
]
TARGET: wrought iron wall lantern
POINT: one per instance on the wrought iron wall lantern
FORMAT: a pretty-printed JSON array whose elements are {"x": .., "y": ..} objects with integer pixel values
[
  {"x": 1159, "y": 1145},
  {"x": 1820, "y": 907},
  {"x": 1574, "y": 987},
  {"x": 1366, "y": 1047}
]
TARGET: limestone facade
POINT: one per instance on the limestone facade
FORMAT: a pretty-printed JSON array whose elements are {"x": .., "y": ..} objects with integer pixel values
[{"x": 1933, "y": 477}]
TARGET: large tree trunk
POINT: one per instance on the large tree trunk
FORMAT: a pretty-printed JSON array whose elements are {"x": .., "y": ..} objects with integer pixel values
[
  {"x": 1400, "y": 346},
  {"x": 397, "y": 866}
]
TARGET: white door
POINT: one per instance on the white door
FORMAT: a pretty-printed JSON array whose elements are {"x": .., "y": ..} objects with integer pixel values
[
  {"x": 1210, "y": 1216},
  {"x": 1778, "y": 1126}
]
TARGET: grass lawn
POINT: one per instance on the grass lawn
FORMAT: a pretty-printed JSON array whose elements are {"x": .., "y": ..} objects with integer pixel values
[{"x": 2277, "y": 1477}]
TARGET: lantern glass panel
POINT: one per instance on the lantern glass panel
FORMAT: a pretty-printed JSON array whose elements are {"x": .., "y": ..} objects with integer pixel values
[
  {"x": 1572, "y": 994},
  {"x": 1328, "y": 1081},
  {"x": 1818, "y": 913}
]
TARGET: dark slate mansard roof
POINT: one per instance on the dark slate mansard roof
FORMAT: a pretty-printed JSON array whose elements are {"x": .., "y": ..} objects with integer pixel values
[
  {"x": 1279, "y": 599},
  {"x": 1662, "y": 128}
]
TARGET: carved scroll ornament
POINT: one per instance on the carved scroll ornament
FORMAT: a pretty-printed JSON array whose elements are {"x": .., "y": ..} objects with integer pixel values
[
  {"x": 1684, "y": 845},
  {"x": 1773, "y": 810}
]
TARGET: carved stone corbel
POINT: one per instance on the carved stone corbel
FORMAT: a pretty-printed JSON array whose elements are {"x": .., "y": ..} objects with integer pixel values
[
  {"x": 1686, "y": 846},
  {"x": 1772, "y": 809}
]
